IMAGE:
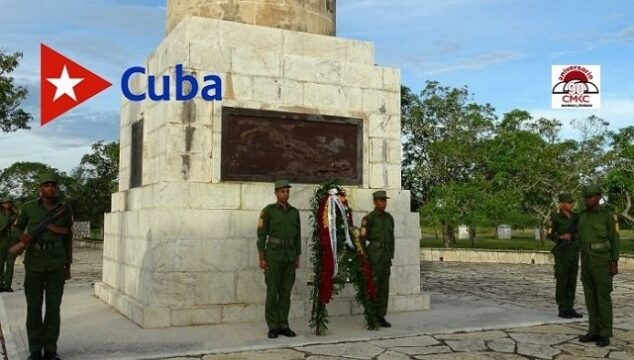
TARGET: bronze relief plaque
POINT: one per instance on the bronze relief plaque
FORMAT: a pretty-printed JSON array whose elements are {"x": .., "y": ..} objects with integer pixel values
[{"x": 259, "y": 145}]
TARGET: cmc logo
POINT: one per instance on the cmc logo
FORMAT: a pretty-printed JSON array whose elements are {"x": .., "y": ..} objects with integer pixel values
[
  {"x": 65, "y": 84},
  {"x": 576, "y": 86},
  {"x": 211, "y": 91},
  {"x": 576, "y": 98}
]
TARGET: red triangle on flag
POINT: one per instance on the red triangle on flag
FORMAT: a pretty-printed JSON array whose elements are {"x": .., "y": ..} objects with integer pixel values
[{"x": 64, "y": 84}]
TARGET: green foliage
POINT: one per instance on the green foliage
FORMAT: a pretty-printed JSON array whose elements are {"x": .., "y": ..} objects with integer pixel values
[
  {"x": 619, "y": 178},
  {"x": 441, "y": 131},
  {"x": 464, "y": 166},
  {"x": 87, "y": 191},
  {"x": 96, "y": 178},
  {"x": 12, "y": 117},
  {"x": 20, "y": 180}
]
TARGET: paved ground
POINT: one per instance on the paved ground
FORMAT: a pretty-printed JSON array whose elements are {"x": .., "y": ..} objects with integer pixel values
[{"x": 526, "y": 286}]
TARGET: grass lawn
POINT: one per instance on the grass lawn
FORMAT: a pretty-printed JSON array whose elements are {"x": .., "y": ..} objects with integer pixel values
[
  {"x": 95, "y": 234},
  {"x": 522, "y": 240}
]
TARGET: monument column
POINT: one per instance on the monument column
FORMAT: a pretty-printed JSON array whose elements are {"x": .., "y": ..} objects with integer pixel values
[
  {"x": 179, "y": 243},
  {"x": 313, "y": 16}
]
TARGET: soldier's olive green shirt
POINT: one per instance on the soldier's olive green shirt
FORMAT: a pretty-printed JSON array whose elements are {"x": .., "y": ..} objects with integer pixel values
[
  {"x": 599, "y": 225},
  {"x": 377, "y": 228},
  {"x": 58, "y": 251},
  {"x": 9, "y": 234},
  {"x": 277, "y": 222},
  {"x": 561, "y": 224}
]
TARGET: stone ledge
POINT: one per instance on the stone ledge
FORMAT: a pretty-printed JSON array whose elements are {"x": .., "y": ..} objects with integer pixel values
[
  {"x": 626, "y": 262},
  {"x": 158, "y": 317},
  {"x": 95, "y": 244}
]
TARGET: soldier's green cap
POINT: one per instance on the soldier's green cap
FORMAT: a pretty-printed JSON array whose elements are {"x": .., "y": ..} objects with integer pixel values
[
  {"x": 280, "y": 184},
  {"x": 6, "y": 200},
  {"x": 45, "y": 178},
  {"x": 379, "y": 195},
  {"x": 592, "y": 189},
  {"x": 566, "y": 197}
]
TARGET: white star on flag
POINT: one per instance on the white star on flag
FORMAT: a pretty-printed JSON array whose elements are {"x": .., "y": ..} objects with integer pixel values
[{"x": 64, "y": 85}]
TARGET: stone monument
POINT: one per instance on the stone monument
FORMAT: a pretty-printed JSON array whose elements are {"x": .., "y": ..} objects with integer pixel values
[
  {"x": 298, "y": 103},
  {"x": 463, "y": 232},
  {"x": 504, "y": 232}
]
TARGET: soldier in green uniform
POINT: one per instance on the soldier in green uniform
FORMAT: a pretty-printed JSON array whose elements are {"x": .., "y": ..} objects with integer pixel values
[
  {"x": 377, "y": 236},
  {"x": 562, "y": 230},
  {"x": 599, "y": 241},
  {"x": 7, "y": 238},
  {"x": 279, "y": 247},
  {"x": 47, "y": 263}
]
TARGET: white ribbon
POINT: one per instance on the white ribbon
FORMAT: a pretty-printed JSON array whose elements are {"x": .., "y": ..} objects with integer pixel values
[{"x": 335, "y": 203}]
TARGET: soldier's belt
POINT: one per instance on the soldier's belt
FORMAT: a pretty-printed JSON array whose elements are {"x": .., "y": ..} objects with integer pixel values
[
  {"x": 47, "y": 245},
  {"x": 277, "y": 241},
  {"x": 600, "y": 246},
  {"x": 377, "y": 243}
]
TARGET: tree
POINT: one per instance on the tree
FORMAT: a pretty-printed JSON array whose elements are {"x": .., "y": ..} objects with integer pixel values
[
  {"x": 463, "y": 202},
  {"x": 524, "y": 161},
  {"x": 12, "y": 117},
  {"x": 590, "y": 157},
  {"x": 96, "y": 178},
  {"x": 619, "y": 179},
  {"x": 441, "y": 130},
  {"x": 20, "y": 180},
  {"x": 465, "y": 167}
]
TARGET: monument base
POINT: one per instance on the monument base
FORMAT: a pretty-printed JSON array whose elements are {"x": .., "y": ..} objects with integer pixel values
[
  {"x": 179, "y": 244},
  {"x": 149, "y": 318},
  {"x": 195, "y": 264}
]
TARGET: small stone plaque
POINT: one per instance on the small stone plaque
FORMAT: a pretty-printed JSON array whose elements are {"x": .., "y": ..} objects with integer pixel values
[{"x": 260, "y": 145}]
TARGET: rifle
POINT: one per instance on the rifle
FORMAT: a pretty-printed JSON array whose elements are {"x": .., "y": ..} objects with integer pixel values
[{"x": 35, "y": 233}]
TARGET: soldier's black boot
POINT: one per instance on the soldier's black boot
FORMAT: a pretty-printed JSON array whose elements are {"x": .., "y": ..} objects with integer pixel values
[
  {"x": 565, "y": 314},
  {"x": 588, "y": 338},
  {"x": 287, "y": 332},
  {"x": 51, "y": 355},
  {"x": 573, "y": 313},
  {"x": 383, "y": 323},
  {"x": 603, "y": 341},
  {"x": 272, "y": 334},
  {"x": 35, "y": 355}
]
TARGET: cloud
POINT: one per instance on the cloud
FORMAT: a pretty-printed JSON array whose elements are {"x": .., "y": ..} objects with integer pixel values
[
  {"x": 477, "y": 62},
  {"x": 106, "y": 36},
  {"x": 603, "y": 40},
  {"x": 28, "y": 146},
  {"x": 411, "y": 6},
  {"x": 62, "y": 142},
  {"x": 79, "y": 15},
  {"x": 619, "y": 112},
  {"x": 625, "y": 35}
]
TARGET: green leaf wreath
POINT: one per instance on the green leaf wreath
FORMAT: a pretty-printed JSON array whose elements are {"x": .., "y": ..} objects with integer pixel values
[{"x": 353, "y": 264}]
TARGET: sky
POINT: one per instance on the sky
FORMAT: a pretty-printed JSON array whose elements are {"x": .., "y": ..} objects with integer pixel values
[{"x": 502, "y": 50}]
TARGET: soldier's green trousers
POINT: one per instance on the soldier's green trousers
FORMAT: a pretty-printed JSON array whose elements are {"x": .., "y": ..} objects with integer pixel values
[
  {"x": 597, "y": 286},
  {"x": 279, "y": 277},
  {"x": 381, "y": 270},
  {"x": 7, "y": 262},
  {"x": 566, "y": 271},
  {"x": 40, "y": 287}
]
